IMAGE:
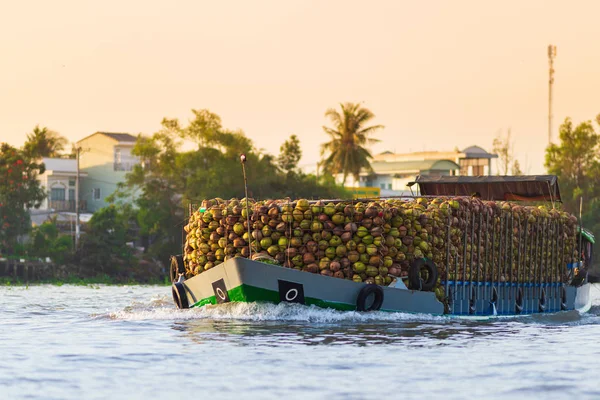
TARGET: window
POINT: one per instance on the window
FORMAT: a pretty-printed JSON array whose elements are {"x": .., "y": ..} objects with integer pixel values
[
  {"x": 71, "y": 194},
  {"x": 71, "y": 182},
  {"x": 477, "y": 170},
  {"x": 117, "y": 164},
  {"x": 382, "y": 185},
  {"x": 97, "y": 194},
  {"x": 57, "y": 194},
  {"x": 389, "y": 186}
]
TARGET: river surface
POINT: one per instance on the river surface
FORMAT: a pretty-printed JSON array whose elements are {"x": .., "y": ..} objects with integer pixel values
[{"x": 129, "y": 342}]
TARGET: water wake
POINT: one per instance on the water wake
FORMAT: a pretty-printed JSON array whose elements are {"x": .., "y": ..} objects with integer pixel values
[
  {"x": 260, "y": 312},
  {"x": 162, "y": 308}
]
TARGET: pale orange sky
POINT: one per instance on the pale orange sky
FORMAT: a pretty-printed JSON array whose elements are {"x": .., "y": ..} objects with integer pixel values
[{"x": 437, "y": 74}]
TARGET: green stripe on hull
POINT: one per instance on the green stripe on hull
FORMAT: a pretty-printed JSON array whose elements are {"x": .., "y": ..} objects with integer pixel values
[{"x": 251, "y": 294}]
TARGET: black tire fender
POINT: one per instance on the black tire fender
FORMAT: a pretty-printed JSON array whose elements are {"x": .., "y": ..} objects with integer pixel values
[
  {"x": 177, "y": 267},
  {"x": 414, "y": 275},
  {"x": 180, "y": 296},
  {"x": 364, "y": 293}
]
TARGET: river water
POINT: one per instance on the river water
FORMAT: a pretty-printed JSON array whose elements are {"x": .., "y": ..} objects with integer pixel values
[{"x": 129, "y": 342}]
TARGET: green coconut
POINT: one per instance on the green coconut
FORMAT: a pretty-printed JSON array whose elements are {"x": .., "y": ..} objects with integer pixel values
[{"x": 359, "y": 267}]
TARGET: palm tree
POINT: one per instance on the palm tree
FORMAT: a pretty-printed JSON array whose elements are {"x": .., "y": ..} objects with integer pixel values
[
  {"x": 346, "y": 152},
  {"x": 43, "y": 142}
]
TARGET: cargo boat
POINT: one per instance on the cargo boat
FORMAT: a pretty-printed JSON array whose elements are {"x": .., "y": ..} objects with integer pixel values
[{"x": 549, "y": 283}]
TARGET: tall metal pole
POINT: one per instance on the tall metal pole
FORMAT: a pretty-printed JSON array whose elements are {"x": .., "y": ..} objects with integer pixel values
[
  {"x": 243, "y": 160},
  {"x": 77, "y": 201},
  {"x": 551, "y": 56}
]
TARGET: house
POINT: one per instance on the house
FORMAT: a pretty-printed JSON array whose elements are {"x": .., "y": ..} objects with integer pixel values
[
  {"x": 475, "y": 161},
  {"x": 58, "y": 180},
  {"x": 391, "y": 172},
  {"x": 59, "y": 183},
  {"x": 106, "y": 158}
]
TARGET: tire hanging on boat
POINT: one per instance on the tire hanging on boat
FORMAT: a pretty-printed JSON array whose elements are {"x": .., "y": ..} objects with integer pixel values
[
  {"x": 179, "y": 295},
  {"x": 364, "y": 293},
  {"x": 177, "y": 267},
  {"x": 414, "y": 275}
]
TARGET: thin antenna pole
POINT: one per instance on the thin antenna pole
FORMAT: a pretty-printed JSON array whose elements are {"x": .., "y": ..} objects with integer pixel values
[
  {"x": 77, "y": 228},
  {"x": 551, "y": 56},
  {"x": 243, "y": 160}
]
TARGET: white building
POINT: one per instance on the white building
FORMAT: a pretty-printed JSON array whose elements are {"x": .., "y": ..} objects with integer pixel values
[
  {"x": 59, "y": 183},
  {"x": 392, "y": 172}
]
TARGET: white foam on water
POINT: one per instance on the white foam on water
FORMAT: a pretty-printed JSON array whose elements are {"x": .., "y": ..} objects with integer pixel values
[
  {"x": 262, "y": 312},
  {"x": 162, "y": 308}
]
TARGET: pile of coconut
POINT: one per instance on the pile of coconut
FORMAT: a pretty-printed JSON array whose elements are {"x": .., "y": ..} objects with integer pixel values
[{"x": 467, "y": 238}]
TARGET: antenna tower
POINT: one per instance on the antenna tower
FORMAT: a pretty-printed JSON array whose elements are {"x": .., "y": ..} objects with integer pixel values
[{"x": 551, "y": 56}]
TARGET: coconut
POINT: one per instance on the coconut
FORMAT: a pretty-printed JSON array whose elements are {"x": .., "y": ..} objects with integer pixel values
[
  {"x": 297, "y": 260},
  {"x": 338, "y": 218},
  {"x": 375, "y": 261},
  {"x": 291, "y": 252},
  {"x": 335, "y": 241},
  {"x": 359, "y": 267},
  {"x": 338, "y": 274},
  {"x": 362, "y": 231},
  {"x": 335, "y": 266},
  {"x": 329, "y": 209},
  {"x": 314, "y": 268},
  {"x": 330, "y": 252},
  {"x": 273, "y": 250},
  {"x": 308, "y": 258},
  {"x": 324, "y": 263},
  {"x": 371, "y": 249}
]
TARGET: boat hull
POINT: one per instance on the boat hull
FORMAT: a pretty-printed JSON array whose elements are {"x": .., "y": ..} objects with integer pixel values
[
  {"x": 484, "y": 298},
  {"x": 244, "y": 280}
]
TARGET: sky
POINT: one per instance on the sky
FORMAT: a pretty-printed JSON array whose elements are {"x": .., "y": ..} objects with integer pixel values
[{"x": 437, "y": 74}]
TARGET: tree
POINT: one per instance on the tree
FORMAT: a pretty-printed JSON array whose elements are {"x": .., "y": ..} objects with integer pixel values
[
  {"x": 507, "y": 163},
  {"x": 169, "y": 179},
  {"x": 346, "y": 152},
  {"x": 19, "y": 191},
  {"x": 576, "y": 162},
  {"x": 290, "y": 154},
  {"x": 45, "y": 241},
  {"x": 43, "y": 142},
  {"x": 104, "y": 247}
]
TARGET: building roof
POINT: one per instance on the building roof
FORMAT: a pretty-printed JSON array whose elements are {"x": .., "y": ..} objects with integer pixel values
[
  {"x": 516, "y": 188},
  {"x": 60, "y": 164},
  {"x": 469, "y": 152},
  {"x": 478, "y": 152},
  {"x": 417, "y": 156},
  {"x": 119, "y": 137},
  {"x": 394, "y": 167},
  {"x": 62, "y": 167}
]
